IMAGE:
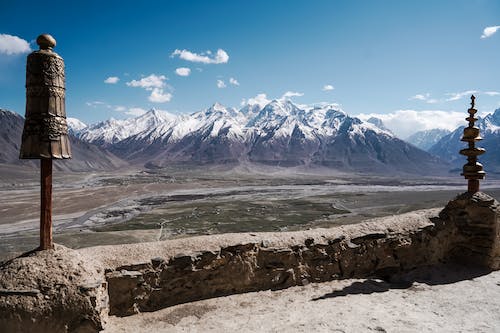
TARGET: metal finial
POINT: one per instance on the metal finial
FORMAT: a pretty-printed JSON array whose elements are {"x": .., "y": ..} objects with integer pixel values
[
  {"x": 472, "y": 170},
  {"x": 46, "y": 42}
]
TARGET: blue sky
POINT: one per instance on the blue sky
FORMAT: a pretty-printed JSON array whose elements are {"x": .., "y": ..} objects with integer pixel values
[{"x": 394, "y": 59}]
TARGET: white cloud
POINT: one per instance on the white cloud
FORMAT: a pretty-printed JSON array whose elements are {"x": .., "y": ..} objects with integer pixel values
[
  {"x": 260, "y": 99},
  {"x": 404, "y": 123},
  {"x": 155, "y": 84},
  {"x": 135, "y": 112},
  {"x": 327, "y": 87},
  {"x": 490, "y": 31},
  {"x": 149, "y": 82},
  {"x": 419, "y": 97},
  {"x": 95, "y": 103},
  {"x": 221, "y": 84},
  {"x": 13, "y": 45},
  {"x": 332, "y": 105},
  {"x": 221, "y": 56},
  {"x": 112, "y": 80},
  {"x": 233, "y": 81},
  {"x": 159, "y": 96},
  {"x": 100, "y": 104},
  {"x": 450, "y": 97},
  {"x": 290, "y": 94},
  {"x": 183, "y": 71},
  {"x": 460, "y": 95},
  {"x": 424, "y": 97}
]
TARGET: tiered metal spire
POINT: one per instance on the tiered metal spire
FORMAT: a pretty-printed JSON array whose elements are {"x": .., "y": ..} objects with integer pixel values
[{"x": 472, "y": 170}]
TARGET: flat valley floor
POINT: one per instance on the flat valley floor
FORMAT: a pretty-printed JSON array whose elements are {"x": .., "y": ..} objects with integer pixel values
[{"x": 131, "y": 206}]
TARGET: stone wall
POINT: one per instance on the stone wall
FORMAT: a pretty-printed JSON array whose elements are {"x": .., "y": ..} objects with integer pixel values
[
  {"x": 150, "y": 276},
  {"x": 258, "y": 265},
  {"x": 476, "y": 218},
  {"x": 467, "y": 229}
]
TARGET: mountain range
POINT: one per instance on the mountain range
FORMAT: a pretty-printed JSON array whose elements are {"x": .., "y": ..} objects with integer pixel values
[
  {"x": 427, "y": 138},
  {"x": 448, "y": 146},
  {"x": 279, "y": 133},
  {"x": 86, "y": 156}
]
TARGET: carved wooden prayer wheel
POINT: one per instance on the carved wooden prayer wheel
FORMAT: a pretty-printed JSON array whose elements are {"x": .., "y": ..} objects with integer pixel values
[
  {"x": 472, "y": 170},
  {"x": 45, "y": 132}
]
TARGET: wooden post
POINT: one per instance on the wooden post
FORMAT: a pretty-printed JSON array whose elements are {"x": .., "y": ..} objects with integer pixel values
[
  {"x": 473, "y": 185},
  {"x": 46, "y": 204},
  {"x": 45, "y": 134}
]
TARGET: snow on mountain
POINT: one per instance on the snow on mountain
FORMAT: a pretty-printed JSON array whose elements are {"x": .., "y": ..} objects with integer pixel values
[
  {"x": 449, "y": 145},
  {"x": 75, "y": 126},
  {"x": 85, "y": 156},
  {"x": 279, "y": 119},
  {"x": 217, "y": 118},
  {"x": 491, "y": 123},
  {"x": 249, "y": 111},
  {"x": 112, "y": 131},
  {"x": 279, "y": 133},
  {"x": 428, "y": 138},
  {"x": 379, "y": 123}
]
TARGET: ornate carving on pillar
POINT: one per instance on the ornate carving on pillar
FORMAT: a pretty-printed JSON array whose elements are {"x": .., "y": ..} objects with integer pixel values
[
  {"x": 45, "y": 132},
  {"x": 472, "y": 170}
]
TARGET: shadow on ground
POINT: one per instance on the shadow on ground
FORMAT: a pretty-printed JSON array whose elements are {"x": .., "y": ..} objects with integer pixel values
[{"x": 430, "y": 275}]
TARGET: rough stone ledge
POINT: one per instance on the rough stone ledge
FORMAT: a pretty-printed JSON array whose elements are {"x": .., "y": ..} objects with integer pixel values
[
  {"x": 56, "y": 290},
  {"x": 211, "y": 266}
]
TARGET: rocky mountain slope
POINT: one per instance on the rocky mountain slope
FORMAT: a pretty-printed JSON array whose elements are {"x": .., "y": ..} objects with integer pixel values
[
  {"x": 428, "y": 138},
  {"x": 450, "y": 144},
  {"x": 86, "y": 156},
  {"x": 278, "y": 134}
]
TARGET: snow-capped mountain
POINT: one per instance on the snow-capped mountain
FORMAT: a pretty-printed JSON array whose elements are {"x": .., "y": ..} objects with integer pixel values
[
  {"x": 75, "y": 126},
  {"x": 449, "y": 145},
  {"x": 112, "y": 131},
  {"x": 86, "y": 156},
  {"x": 279, "y": 133},
  {"x": 378, "y": 122},
  {"x": 428, "y": 138}
]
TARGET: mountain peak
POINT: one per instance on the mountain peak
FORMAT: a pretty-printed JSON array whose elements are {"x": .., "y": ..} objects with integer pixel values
[
  {"x": 378, "y": 122},
  {"x": 218, "y": 106},
  {"x": 10, "y": 113},
  {"x": 153, "y": 111},
  {"x": 157, "y": 116},
  {"x": 75, "y": 125},
  {"x": 495, "y": 117},
  {"x": 426, "y": 139},
  {"x": 282, "y": 105}
]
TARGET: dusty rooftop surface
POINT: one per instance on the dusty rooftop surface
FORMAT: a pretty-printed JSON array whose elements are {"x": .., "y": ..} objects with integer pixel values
[{"x": 445, "y": 299}]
